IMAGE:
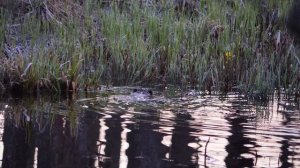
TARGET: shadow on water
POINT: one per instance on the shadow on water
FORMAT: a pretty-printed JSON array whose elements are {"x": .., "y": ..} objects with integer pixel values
[
  {"x": 145, "y": 148},
  {"x": 18, "y": 152},
  {"x": 288, "y": 142},
  {"x": 238, "y": 143},
  {"x": 111, "y": 158},
  {"x": 181, "y": 153},
  {"x": 109, "y": 130},
  {"x": 263, "y": 138},
  {"x": 49, "y": 138}
]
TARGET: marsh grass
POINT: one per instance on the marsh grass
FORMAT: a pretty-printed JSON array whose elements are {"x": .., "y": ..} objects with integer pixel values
[{"x": 221, "y": 46}]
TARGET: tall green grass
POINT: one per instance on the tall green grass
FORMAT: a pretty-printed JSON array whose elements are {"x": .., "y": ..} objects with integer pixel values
[{"x": 219, "y": 47}]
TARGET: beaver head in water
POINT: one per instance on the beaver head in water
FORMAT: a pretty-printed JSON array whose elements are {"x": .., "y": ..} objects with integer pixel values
[{"x": 145, "y": 92}]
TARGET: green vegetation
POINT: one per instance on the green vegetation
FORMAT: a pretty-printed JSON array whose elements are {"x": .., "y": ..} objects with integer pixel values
[{"x": 213, "y": 44}]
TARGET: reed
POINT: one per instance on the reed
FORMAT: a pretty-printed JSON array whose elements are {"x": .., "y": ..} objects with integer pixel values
[{"x": 214, "y": 45}]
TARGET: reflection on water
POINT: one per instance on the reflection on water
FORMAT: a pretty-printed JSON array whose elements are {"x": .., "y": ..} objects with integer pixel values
[{"x": 169, "y": 130}]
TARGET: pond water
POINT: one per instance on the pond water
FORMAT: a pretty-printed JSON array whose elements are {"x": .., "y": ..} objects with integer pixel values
[{"x": 166, "y": 130}]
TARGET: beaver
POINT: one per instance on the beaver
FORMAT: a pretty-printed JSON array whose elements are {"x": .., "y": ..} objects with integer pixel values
[
  {"x": 138, "y": 95},
  {"x": 144, "y": 92}
]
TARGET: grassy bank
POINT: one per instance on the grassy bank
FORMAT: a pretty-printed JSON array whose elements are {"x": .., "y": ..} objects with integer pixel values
[{"x": 213, "y": 44}]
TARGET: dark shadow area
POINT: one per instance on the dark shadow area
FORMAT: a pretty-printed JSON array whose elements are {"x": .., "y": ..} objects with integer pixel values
[
  {"x": 113, "y": 141},
  {"x": 145, "y": 147},
  {"x": 18, "y": 145},
  {"x": 238, "y": 141},
  {"x": 180, "y": 153},
  {"x": 285, "y": 148},
  {"x": 293, "y": 23},
  {"x": 57, "y": 141},
  {"x": 285, "y": 153}
]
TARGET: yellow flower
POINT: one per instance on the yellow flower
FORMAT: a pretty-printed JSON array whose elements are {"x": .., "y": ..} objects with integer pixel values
[{"x": 228, "y": 55}]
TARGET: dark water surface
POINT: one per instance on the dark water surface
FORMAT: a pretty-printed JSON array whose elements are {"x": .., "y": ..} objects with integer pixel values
[{"x": 168, "y": 130}]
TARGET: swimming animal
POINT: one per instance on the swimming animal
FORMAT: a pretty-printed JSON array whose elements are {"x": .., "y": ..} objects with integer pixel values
[
  {"x": 142, "y": 92},
  {"x": 140, "y": 95}
]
